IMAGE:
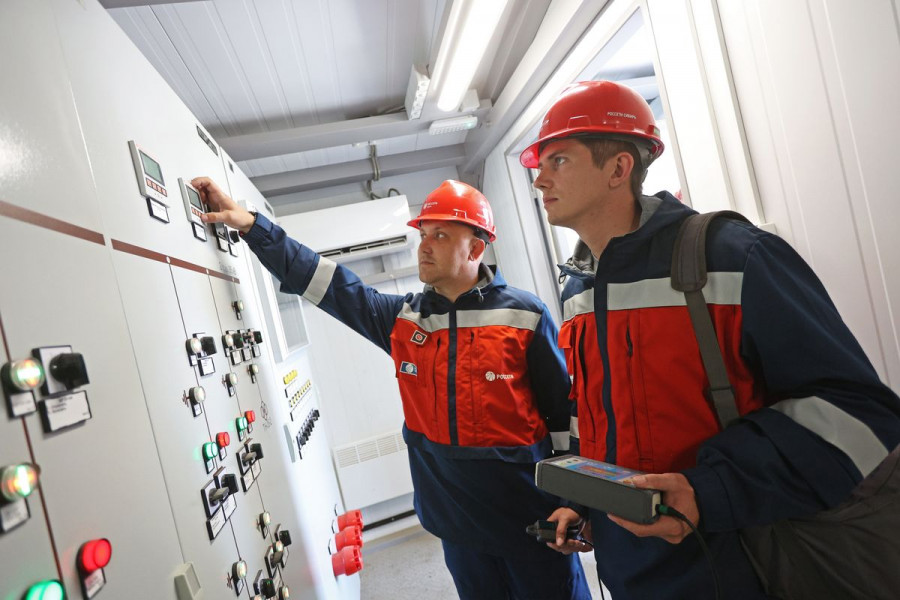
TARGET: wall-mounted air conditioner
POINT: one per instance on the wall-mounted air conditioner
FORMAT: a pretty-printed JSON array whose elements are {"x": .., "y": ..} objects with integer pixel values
[{"x": 354, "y": 231}]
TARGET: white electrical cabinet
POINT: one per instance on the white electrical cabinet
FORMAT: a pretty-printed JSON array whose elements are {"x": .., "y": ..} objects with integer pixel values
[{"x": 150, "y": 435}]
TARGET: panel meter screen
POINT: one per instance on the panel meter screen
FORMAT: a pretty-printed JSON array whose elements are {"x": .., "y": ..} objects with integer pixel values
[
  {"x": 152, "y": 168},
  {"x": 194, "y": 198}
]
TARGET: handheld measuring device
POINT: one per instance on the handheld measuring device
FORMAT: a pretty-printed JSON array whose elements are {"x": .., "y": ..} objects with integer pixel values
[{"x": 598, "y": 485}]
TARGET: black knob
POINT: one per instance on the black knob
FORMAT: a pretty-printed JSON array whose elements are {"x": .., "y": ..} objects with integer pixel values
[
  {"x": 69, "y": 370},
  {"x": 209, "y": 344},
  {"x": 285, "y": 537},
  {"x": 234, "y": 236},
  {"x": 230, "y": 482},
  {"x": 257, "y": 450},
  {"x": 238, "y": 340},
  {"x": 316, "y": 414},
  {"x": 257, "y": 337},
  {"x": 267, "y": 588}
]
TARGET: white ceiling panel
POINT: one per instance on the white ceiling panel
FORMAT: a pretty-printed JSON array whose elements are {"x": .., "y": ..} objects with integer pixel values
[{"x": 271, "y": 68}]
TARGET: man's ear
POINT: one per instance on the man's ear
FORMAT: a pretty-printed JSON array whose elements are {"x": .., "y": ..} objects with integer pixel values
[
  {"x": 622, "y": 173},
  {"x": 476, "y": 249}
]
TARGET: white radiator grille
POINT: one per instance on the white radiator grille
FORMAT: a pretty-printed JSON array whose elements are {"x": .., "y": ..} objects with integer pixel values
[{"x": 373, "y": 470}]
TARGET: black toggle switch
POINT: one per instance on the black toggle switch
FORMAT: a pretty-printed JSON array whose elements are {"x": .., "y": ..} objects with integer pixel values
[
  {"x": 257, "y": 337},
  {"x": 69, "y": 370},
  {"x": 257, "y": 450},
  {"x": 209, "y": 345},
  {"x": 285, "y": 537},
  {"x": 267, "y": 588},
  {"x": 230, "y": 481},
  {"x": 234, "y": 236}
]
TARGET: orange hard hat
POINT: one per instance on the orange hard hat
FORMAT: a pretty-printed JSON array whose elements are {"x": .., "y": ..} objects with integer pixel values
[
  {"x": 460, "y": 202},
  {"x": 597, "y": 107}
]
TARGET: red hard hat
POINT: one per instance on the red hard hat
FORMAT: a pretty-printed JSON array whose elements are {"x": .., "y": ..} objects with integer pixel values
[
  {"x": 596, "y": 107},
  {"x": 457, "y": 201}
]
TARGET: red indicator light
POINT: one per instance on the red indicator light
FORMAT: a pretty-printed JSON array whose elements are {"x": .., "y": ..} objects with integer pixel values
[
  {"x": 223, "y": 439},
  {"x": 94, "y": 555},
  {"x": 250, "y": 416}
]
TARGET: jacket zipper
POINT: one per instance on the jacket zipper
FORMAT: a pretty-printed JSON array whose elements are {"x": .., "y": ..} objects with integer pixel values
[
  {"x": 589, "y": 417},
  {"x": 639, "y": 438},
  {"x": 434, "y": 392}
]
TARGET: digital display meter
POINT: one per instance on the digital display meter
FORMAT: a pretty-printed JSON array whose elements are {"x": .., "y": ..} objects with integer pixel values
[
  {"x": 193, "y": 207},
  {"x": 151, "y": 182}
]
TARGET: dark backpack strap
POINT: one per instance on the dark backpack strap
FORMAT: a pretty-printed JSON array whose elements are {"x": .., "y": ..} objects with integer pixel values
[{"x": 689, "y": 276}]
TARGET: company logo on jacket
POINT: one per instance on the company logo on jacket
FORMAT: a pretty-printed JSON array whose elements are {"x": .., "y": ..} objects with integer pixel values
[
  {"x": 409, "y": 368},
  {"x": 418, "y": 338},
  {"x": 491, "y": 376}
]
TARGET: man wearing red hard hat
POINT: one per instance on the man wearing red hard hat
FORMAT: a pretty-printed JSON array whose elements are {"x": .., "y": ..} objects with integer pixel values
[
  {"x": 812, "y": 417},
  {"x": 483, "y": 384}
]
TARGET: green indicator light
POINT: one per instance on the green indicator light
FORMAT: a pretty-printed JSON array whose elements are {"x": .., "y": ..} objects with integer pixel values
[
  {"x": 209, "y": 450},
  {"x": 26, "y": 374},
  {"x": 241, "y": 423},
  {"x": 18, "y": 481},
  {"x": 46, "y": 590}
]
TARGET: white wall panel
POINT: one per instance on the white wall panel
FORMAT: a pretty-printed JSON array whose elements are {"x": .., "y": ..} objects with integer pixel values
[{"x": 821, "y": 137}]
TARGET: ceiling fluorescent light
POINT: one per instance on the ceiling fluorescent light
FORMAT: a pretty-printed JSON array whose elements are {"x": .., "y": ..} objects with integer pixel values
[
  {"x": 453, "y": 124},
  {"x": 471, "y": 31}
]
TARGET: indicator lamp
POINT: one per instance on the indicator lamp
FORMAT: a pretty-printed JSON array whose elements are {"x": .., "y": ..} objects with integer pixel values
[
  {"x": 239, "y": 569},
  {"x": 285, "y": 592},
  {"x": 223, "y": 439},
  {"x": 24, "y": 375},
  {"x": 194, "y": 346},
  {"x": 238, "y": 305},
  {"x": 18, "y": 481},
  {"x": 264, "y": 519},
  {"x": 254, "y": 369},
  {"x": 94, "y": 555},
  {"x": 250, "y": 416},
  {"x": 210, "y": 450},
  {"x": 228, "y": 340},
  {"x": 232, "y": 378},
  {"x": 278, "y": 546},
  {"x": 197, "y": 394},
  {"x": 46, "y": 590},
  {"x": 241, "y": 423}
]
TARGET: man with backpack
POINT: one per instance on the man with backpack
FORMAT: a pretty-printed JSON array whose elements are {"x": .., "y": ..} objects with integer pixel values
[{"x": 811, "y": 417}]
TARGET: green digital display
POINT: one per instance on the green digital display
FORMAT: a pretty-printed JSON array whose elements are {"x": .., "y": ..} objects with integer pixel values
[
  {"x": 194, "y": 198},
  {"x": 152, "y": 168}
]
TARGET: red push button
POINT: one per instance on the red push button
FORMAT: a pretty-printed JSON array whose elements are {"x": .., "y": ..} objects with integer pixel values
[
  {"x": 222, "y": 439},
  {"x": 250, "y": 415},
  {"x": 94, "y": 555},
  {"x": 349, "y": 536},
  {"x": 351, "y": 517},
  {"x": 347, "y": 562}
]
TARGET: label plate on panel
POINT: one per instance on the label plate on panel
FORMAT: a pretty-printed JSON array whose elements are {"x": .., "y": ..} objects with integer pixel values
[
  {"x": 158, "y": 210},
  {"x": 93, "y": 583},
  {"x": 228, "y": 506},
  {"x": 215, "y": 524},
  {"x": 255, "y": 469},
  {"x": 206, "y": 366},
  {"x": 13, "y": 514},
  {"x": 21, "y": 404},
  {"x": 65, "y": 411}
]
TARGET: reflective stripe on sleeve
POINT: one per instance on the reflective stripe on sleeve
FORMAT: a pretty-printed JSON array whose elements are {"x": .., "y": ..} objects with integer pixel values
[
  {"x": 837, "y": 427},
  {"x": 573, "y": 427},
  {"x": 320, "y": 281},
  {"x": 579, "y": 304}
]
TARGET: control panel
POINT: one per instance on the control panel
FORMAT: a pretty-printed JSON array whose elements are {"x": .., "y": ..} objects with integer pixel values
[{"x": 193, "y": 208}]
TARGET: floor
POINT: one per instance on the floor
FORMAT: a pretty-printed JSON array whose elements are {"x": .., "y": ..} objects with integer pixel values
[{"x": 407, "y": 564}]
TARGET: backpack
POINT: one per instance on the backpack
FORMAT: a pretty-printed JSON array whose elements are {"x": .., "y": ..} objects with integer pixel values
[{"x": 849, "y": 551}]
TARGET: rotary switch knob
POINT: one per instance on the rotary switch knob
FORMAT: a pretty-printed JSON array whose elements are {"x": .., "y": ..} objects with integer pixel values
[{"x": 69, "y": 370}]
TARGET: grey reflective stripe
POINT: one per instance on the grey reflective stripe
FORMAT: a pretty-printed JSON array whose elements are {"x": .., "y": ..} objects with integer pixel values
[
  {"x": 838, "y": 428},
  {"x": 573, "y": 427},
  {"x": 721, "y": 288},
  {"x": 320, "y": 281},
  {"x": 432, "y": 323},
  {"x": 579, "y": 304},
  {"x": 509, "y": 317}
]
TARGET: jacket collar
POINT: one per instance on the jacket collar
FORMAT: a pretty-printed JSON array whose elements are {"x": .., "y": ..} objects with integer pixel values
[
  {"x": 657, "y": 212},
  {"x": 490, "y": 279}
]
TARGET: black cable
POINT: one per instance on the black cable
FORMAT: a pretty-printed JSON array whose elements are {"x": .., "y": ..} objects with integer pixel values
[{"x": 671, "y": 512}]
